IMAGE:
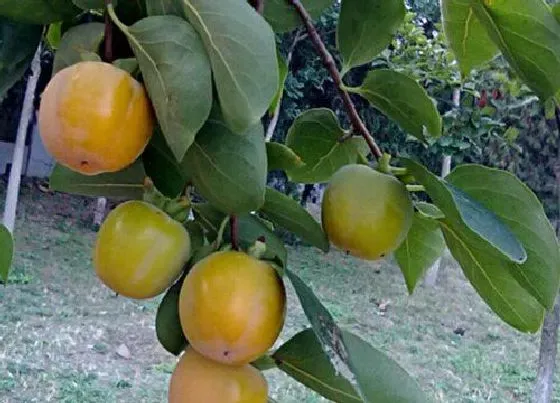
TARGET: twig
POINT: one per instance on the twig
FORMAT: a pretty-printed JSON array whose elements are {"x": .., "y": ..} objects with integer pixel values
[
  {"x": 108, "y": 35},
  {"x": 357, "y": 123},
  {"x": 258, "y": 5},
  {"x": 234, "y": 232}
]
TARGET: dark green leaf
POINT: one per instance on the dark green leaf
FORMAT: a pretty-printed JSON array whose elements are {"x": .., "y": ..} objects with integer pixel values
[
  {"x": 264, "y": 363},
  {"x": 168, "y": 325},
  {"x": 466, "y": 35},
  {"x": 303, "y": 358},
  {"x": 6, "y": 252},
  {"x": 315, "y": 137},
  {"x": 78, "y": 40},
  {"x": 428, "y": 210},
  {"x": 483, "y": 264},
  {"x": 365, "y": 28},
  {"x": 282, "y": 157},
  {"x": 380, "y": 379},
  {"x": 556, "y": 11},
  {"x": 129, "y": 64},
  {"x": 54, "y": 35},
  {"x": 162, "y": 167},
  {"x": 402, "y": 99},
  {"x": 283, "y": 17},
  {"x": 528, "y": 35},
  {"x": 196, "y": 234},
  {"x": 516, "y": 205},
  {"x": 242, "y": 50},
  {"x": 423, "y": 245},
  {"x": 282, "y": 75},
  {"x": 18, "y": 43},
  {"x": 289, "y": 214},
  {"x": 92, "y": 4},
  {"x": 38, "y": 11},
  {"x": 128, "y": 183},
  {"x": 227, "y": 168},
  {"x": 163, "y": 7},
  {"x": 208, "y": 217},
  {"x": 182, "y": 97}
]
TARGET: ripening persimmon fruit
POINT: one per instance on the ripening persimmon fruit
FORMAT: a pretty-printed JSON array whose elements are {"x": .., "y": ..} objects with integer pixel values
[
  {"x": 232, "y": 307},
  {"x": 366, "y": 213},
  {"x": 95, "y": 118},
  {"x": 140, "y": 251},
  {"x": 197, "y": 379}
]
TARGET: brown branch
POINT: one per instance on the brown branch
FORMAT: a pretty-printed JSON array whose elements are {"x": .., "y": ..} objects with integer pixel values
[
  {"x": 258, "y": 5},
  {"x": 357, "y": 123},
  {"x": 108, "y": 35},
  {"x": 234, "y": 232}
]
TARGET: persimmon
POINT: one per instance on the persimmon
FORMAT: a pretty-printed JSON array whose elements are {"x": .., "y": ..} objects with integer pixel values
[
  {"x": 197, "y": 379},
  {"x": 232, "y": 307},
  {"x": 95, "y": 118},
  {"x": 140, "y": 251},
  {"x": 366, "y": 213}
]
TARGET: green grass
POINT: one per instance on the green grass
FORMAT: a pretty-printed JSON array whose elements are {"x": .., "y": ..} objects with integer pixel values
[{"x": 60, "y": 328}]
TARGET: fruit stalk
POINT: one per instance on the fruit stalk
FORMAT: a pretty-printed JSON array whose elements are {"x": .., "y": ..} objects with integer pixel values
[
  {"x": 108, "y": 34},
  {"x": 357, "y": 123},
  {"x": 234, "y": 232}
]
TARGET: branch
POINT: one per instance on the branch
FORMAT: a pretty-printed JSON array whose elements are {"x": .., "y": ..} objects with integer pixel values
[
  {"x": 357, "y": 123},
  {"x": 258, "y": 5},
  {"x": 108, "y": 35},
  {"x": 234, "y": 232}
]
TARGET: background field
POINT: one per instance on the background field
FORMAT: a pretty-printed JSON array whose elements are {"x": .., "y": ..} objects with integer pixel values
[{"x": 65, "y": 338}]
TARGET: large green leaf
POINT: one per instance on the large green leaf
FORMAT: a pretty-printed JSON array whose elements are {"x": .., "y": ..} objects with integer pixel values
[
  {"x": 6, "y": 252},
  {"x": 161, "y": 166},
  {"x": 227, "y": 168},
  {"x": 128, "y": 183},
  {"x": 283, "y": 71},
  {"x": 77, "y": 41},
  {"x": 168, "y": 325},
  {"x": 516, "y": 205},
  {"x": 282, "y": 157},
  {"x": 315, "y": 137},
  {"x": 423, "y": 245},
  {"x": 483, "y": 263},
  {"x": 242, "y": 50},
  {"x": 163, "y": 7},
  {"x": 176, "y": 71},
  {"x": 528, "y": 35},
  {"x": 466, "y": 35},
  {"x": 283, "y": 17},
  {"x": 289, "y": 214},
  {"x": 18, "y": 43},
  {"x": 92, "y": 4},
  {"x": 402, "y": 99},
  {"x": 556, "y": 11},
  {"x": 365, "y": 28},
  {"x": 38, "y": 11},
  {"x": 379, "y": 378},
  {"x": 302, "y": 357}
]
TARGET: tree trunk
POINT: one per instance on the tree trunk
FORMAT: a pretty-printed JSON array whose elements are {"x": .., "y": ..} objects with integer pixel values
[
  {"x": 17, "y": 159},
  {"x": 100, "y": 208}
]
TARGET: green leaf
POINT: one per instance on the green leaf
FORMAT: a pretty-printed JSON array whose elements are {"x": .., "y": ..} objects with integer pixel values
[
  {"x": 483, "y": 264},
  {"x": 92, "y": 4},
  {"x": 380, "y": 379},
  {"x": 182, "y": 97},
  {"x": 428, "y": 210},
  {"x": 17, "y": 47},
  {"x": 303, "y": 358},
  {"x": 242, "y": 50},
  {"x": 54, "y": 35},
  {"x": 6, "y": 252},
  {"x": 290, "y": 215},
  {"x": 264, "y": 363},
  {"x": 227, "y": 168},
  {"x": 38, "y": 11},
  {"x": 161, "y": 166},
  {"x": 128, "y": 183},
  {"x": 549, "y": 109},
  {"x": 196, "y": 234},
  {"x": 516, "y": 205},
  {"x": 423, "y": 245},
  {"x": 163, "y": 7},
  {"x": 556, "y": 11},
  {"x": 528, "y": 35},
  {"x": 129, "y": 64},
  {"x": 283, "y": 17},
  {"x": 168, "y": 325},
  {"x": 282, "y": 76},
  {"x": 402, "y": 99},
  {"x": 466, "y": 35},
  {"x": 84, "y": 38},
  {"x": 208, "y": 217},
  {"x": 315, "y": 137},
  {"x": 365, "y": 28},
  {"x": 282, "y": 157}
]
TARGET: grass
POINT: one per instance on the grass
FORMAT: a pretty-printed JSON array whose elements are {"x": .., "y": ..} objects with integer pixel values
[{"x": 60, "y": 328}]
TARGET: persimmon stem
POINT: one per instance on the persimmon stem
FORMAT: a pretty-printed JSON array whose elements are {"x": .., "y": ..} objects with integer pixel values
[
  {"x": 357, "y": 123},
  {"x": 234, "y": 232},
  {"x": 108, "y": 34},
  {"x": 258, "y": 5}
]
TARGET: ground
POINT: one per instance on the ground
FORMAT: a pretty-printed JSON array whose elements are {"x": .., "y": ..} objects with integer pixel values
[{"x": 66, "y": 338}]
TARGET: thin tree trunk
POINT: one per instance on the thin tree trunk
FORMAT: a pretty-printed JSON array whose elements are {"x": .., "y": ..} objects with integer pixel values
[
  {"x": 17, "y": 159},
  {"x": 100, "y": 208}
]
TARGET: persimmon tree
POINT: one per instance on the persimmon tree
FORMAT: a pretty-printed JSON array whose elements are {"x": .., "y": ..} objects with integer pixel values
[{"x": 211, "y": 71}]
